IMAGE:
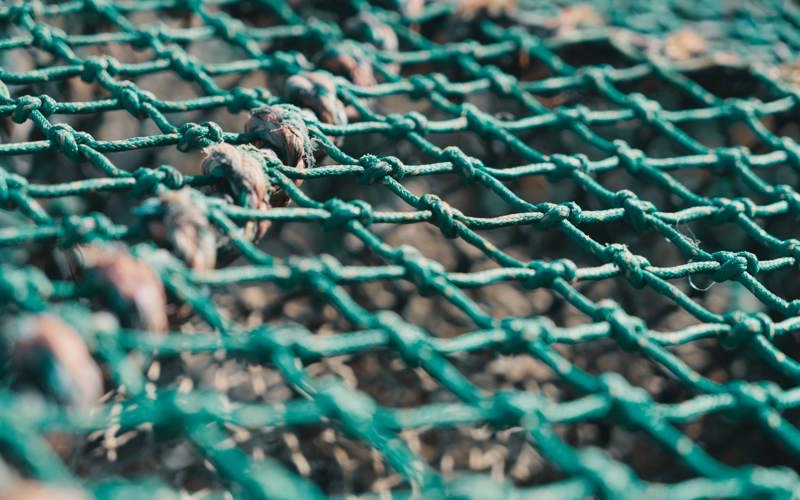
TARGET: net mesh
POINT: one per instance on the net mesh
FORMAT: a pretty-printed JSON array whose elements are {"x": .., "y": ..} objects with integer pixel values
[{"x": 593, "y": 205}]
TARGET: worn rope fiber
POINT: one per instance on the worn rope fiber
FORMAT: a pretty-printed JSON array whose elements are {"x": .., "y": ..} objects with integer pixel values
[{"x": 760, "y": 38}]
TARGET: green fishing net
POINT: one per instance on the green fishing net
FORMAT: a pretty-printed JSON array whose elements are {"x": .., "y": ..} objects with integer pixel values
[{"x": 454, "y": 249}]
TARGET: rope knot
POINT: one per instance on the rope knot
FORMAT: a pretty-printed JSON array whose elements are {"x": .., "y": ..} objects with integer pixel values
[
  {"x": 282, "y": 129},
  {"x": 146, "y": 38},
  {"x": 741, "y": 108},
  {"x": 729, "y": 209},
  {"x": 555, "y": 214},
  {"x": 790, "y": 196},
  {"x": 567, "y": 116},
  {"x": 792, "y": 247},
  {"x": 288, "y": 62},
  {"x": 95, "y": 66},
  {"x": 744, "y": 327},
  {"x": 567, "y": 166},
  {"x": 130, "y": 98},
  {"x": 305, "y": 270},
  {"x": 172, "y": 177},
  {"x": 27, "y": 104},
  {"x": 421, "y": 271},
  {"x": 48, "y": 38},
  {"x": 198, "y": 135},
  {"x": 504, "y": 410},
  {"x": 442, "y": 214},
  {"x": 501, "y": 82},
  {"x": 519, "y": 333},
  {"x": 646, "y": 109},
  {"x": 637, "y": 211},
  {"x": 733, "y": 158},
  {"x": 422, "y": 86},
  {"x": 545, "y": 273},
  {"x": 185, "y": 65},
  {"x": 594, "y": 76},
  {"x": 792, "y": 151},
  {"x": 81, "y": 229},
  {"x": 342, "y": 212},
  {"x": 631, "y": 266},
  {"x": 400, "y": 126},
  {"x": 324, "y": 30},
  {"x": 752, "y": 397},
  {"x": 20, "y": 10},
  {"x": 631, "y": 406},
  {"x": 630, "y": 159},
  {"x": 147, "y": 181},
  {"x": 227, "y": 28},
  {"x": 477, "y": 120},
  {"x": 375, "y": 169},
  {"x": 247, "y": 98},
  {"x": 463, "y": 164},
  {"x": 566, "y": 269},
  {"x": 356, "y": 411},
  {"x": 65, "y": 139},
  {"x": 409, "y": 340},
  {"x": 734, "y": 264}
]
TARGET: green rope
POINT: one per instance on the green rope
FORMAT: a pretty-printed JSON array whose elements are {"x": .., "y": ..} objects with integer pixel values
[{"x": 756, "y": 39}]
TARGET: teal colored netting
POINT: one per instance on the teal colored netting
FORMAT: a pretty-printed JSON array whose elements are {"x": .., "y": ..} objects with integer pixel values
[{"x": 642, "y": 181}]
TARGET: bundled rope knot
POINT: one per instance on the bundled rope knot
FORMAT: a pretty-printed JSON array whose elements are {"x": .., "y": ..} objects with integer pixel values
[
  {"x": 48, "y": 352},
  {"x": 348, "y": 59},
  {"x": 177, "y": 220},
  {"x": 282, "y": 129},
  {"x": 245, "y": 182},
  {"x": 370, "y": 29},
  {"x": 126, "y": 285},
  {"x": 316, "y": 92}
]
